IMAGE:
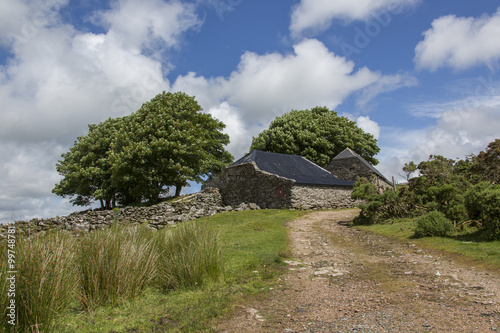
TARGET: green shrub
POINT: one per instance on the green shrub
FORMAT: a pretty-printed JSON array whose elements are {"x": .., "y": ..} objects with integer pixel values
[
  {"x": 190, "y": 257},
  {"x": 448, "y": 199},
  {"x": 115, "y": 265},
  {"x": 490, "y": 212},
  {"x": 45, "y": 281},
  {"x": 482, "y": 202},
  {"x": 433, "y": 223},
  {"x": 474, "y": 200},
  {"x": 363, "y": 219}
]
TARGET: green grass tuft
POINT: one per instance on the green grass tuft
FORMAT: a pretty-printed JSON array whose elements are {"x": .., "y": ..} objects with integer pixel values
[
  {"x": 115, "y": 265},
  {"x": 190, "y": 256},
  {"x": 46, "y": 279}
]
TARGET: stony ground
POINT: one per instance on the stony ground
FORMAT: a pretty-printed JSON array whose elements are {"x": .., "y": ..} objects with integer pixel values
[{"x": 345, "y": 280}]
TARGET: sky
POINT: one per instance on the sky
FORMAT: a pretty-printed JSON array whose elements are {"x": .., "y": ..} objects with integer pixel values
[{"x": 420, "y": 75}]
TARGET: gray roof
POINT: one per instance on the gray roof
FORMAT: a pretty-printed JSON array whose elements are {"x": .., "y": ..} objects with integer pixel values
[
  {"x": 295, "y": 167},
  {"x": 349, "y": 153}
]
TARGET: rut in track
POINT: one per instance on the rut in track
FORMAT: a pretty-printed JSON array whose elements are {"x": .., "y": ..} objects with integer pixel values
[{"x": 342, "y": 279}]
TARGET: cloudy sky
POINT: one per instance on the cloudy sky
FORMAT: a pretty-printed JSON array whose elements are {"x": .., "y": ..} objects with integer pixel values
[{"x": 420, "y": 75}]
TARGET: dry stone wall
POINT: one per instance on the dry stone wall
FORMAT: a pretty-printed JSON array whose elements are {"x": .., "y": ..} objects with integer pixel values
[
  {"x": 205, "y": 203},
  {"x": 246, "y": 183},
  {"x": 321, "y": 197}
]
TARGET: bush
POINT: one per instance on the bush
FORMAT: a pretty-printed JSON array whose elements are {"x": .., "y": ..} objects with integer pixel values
[
  {"x": 483, "y": 203},
  {"x": 115, "y": 265},
  {"x": 433, "y": 224},
  {"x": 190, "y": 257},
  {"x": 474, "y": 199},
  {"x": 490, "y": 212},
  {"x": 363, "y": 219},
  {"x": 45, "y": 281}
]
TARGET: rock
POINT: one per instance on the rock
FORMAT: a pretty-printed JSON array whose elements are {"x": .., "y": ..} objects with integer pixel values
[
  {"x": 253, "y": 206},
  {"x": 84, "y": 226}
]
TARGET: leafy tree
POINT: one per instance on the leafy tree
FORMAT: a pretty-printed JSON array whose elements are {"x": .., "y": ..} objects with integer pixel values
[
  {"x": 409, "y": 169},
  {"x": 483, "y": 203},
  {"x": 167, "y": 142},
  {"x": 86, "y": 168},
  {"x": 436, "y": 169},
  {"x": 317, "y": 134},
  {"x": 487, "y": 163},
  {"x": 490, "y": 211}
]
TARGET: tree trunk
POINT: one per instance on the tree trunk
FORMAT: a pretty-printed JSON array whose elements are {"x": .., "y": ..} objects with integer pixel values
[{"x": 178, "y": 189}]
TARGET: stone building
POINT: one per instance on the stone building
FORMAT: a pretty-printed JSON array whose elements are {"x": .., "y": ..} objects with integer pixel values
[
  {"x": 273, "y": 180},
  {"x": 349, "y": 165}
]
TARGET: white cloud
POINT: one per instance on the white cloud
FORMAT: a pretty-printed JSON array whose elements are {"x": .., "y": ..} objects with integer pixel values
[
  {"x": 369, "y": 126},
  {"x": 149, "y": 24},
  {"x": 460, "y": 42},
  {"x": 385, "y": 84},
  {"x": 62, "y": 79},
  {"x": 12, "y": 13},
  {"x": 27, "y": 175},
  {"x": 22, "y": 20},
  {"x": 239, "y": 132},
  {"x": 317, "y": 15}
]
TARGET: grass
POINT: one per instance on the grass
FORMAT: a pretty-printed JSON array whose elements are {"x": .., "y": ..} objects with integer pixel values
[
  {"x": 44, "y": 283},
  {"x": 190, "y": 256},
  {"x": 468, "y": 245},
  {"x": 115, "y": 265},
  {"x": 135, "y": 280}
]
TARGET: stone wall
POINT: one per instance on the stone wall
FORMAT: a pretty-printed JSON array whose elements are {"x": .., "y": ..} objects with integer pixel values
[
  {"x": 353, "y": 169},
  {"x": 246, "y": 183},
  {"x": 321, "y": 197},
  {"x": 205, "y": 203}
]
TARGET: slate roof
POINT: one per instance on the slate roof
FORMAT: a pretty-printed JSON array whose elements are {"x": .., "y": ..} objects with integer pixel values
[
  {"x": 349, "y": 153},
  {"x": 295, "y": 167}
]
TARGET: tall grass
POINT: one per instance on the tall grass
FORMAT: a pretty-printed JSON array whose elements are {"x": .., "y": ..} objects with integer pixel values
[
  {"x": 45, "y": 281},
  {"x": 115, "y": 265},
  {"x": 190, "y": 256},
  {"x": 55, "y": 271}
]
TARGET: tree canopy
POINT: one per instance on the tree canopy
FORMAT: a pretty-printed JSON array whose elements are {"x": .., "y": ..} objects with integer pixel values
[
  {"x": 137, "y": 158},
  {"x": 86, "y": 169},
  {"x": 318, "y": 134}
]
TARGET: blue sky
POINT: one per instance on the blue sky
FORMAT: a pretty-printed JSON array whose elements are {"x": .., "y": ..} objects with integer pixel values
[{"x": 422, "y": 76}]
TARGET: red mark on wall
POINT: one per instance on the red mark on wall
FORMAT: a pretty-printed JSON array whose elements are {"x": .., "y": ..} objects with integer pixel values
[{"x": 280, "y": 192}]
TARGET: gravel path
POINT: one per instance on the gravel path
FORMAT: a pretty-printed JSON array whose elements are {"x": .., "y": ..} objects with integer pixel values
[{"x": 346, "y": 280}]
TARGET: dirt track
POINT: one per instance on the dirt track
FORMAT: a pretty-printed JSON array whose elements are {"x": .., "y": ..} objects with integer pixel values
[{"x": 345, "y": 280}]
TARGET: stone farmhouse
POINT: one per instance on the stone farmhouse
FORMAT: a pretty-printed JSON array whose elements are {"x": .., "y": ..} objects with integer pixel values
[
  {"x": 273, "y": 180},
  {"x": 349, "y": 165}
]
